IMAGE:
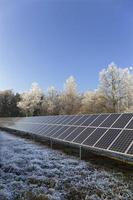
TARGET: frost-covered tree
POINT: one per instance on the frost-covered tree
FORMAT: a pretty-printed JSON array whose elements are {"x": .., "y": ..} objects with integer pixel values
[
  {"x": 31, "y": 101},
  {"x": 93, "y": 102},
  {"x": 116, "y": 84},
  {"x": 53, "y": 105},
  {"x": 70, "y": 99}
]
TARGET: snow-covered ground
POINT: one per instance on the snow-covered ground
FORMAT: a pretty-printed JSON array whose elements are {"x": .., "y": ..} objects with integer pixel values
[{"x": 29, "y": 171}]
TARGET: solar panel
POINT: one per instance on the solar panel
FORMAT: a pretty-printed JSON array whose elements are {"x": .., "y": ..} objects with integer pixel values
[
  {"x": 123, "y": 141},
  {"x": 55, "y": 120},
  {"x": 130, "y": 125},
  {"x": 18, "y": 125},
  {"x": 42, "y": 119},
  {"x": 108, "y": 138},
  {"x": 75, "y": 119},
  {"x": 37, "y": 120},
  {"x": 108, "y": 132},
  {"x": 84, "y": 135},
  {"x": 123, "y": 120},
  {"x": 91, "y": 140},
  {"x": 62, "y": 119},
  {"x": 99, "y": 120},
  {"x": 75, "y": 133},
  {"x": 49, "y": 120},
  {"x": 46, "y": 129},
  {"x": 110, "y": 120},
  {"x": 53, "y": 130},
  {"x": 32, "y": 127},
  {"x": 90, "y": 120},
  {"x": 81, "y": 120},
  {"x": 68, "y": 120},
  {"x": 59, "y": 131},
  {"x": 37, "y": 127},
  {"x": 43, "y": 129},
  {"x": 67, "y": 132}
]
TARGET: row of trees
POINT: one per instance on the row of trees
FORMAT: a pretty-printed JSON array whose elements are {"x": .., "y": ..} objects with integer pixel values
[{"x": 114, "y": 94}]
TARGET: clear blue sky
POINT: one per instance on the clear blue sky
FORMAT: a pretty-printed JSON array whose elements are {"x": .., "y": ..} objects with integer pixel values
[{"x": 46, "y": 41}]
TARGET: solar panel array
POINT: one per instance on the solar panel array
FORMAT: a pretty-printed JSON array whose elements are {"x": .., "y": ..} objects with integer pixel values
[{"x": 108, "y": 132}]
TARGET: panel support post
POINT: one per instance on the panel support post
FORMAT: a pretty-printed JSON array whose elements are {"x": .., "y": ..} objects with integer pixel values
[
  {"x": 51, "y": 143},
  {"x": 80, "y": 152}
]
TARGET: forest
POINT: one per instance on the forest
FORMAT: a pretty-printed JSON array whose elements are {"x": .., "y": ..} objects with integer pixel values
[{"x": 114, "y": 94}]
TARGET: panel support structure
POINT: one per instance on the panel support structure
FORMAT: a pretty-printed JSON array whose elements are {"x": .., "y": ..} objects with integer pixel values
[
  {"x": 51, "y": 144},
  {"x": 80, "y": 152}
]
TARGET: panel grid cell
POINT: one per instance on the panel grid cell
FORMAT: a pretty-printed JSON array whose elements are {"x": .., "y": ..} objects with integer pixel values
[
  {"x": 84, "y": 135},
  {"x": 99, "y": 120},
  {"x": 123, "y": 141},
  {"x": 89, "y": 120},
  {"x": 46, "y": 129},
  {"x": 108, "y": 138},
  {"x": 91, "y": 140},
  {"x": 42, "y": 129},
  {"x": 59, "y": 131},
  {"x": 75, "y": 119},
  {"x": 110, "y": 120},
  {"x": 68, "y": 120},
  {"x": 130, "y": 125},
  {"x": 123, "y": 120},
  {"x": 75, "y": 133},
  {"x": 63, "y": 118},
  {"x": 81, "y": 120},
  {"x": 53, "y": 130},
  {"x": 67, "y": 132}
]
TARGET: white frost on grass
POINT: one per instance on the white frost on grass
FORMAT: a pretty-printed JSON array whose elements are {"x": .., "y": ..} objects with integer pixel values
[{"x": 31, "y": 171}]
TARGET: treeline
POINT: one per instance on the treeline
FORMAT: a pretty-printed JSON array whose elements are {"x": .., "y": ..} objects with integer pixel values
[{"x": 114, "y": 94}]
